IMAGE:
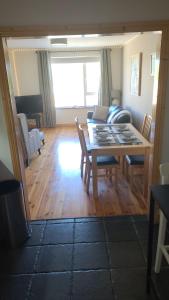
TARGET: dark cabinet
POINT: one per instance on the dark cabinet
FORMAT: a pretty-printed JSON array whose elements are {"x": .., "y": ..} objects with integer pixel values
[{"x": 14, "y": 228}]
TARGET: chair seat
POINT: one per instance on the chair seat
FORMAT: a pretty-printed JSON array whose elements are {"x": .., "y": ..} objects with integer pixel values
[
  {"x": 105, "y": 160},
  {"x": 135, "y": 159}
]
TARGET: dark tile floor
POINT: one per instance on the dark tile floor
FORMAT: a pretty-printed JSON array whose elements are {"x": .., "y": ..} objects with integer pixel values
[{"x": 87, "y": 258}]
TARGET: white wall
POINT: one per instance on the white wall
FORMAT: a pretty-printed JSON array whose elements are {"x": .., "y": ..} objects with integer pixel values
[
  {"x": 146, "y": 43},
  {"x": 26, "y": 71},
  {"x": 5, "y": 155},
  {"x": 26, "y": 81},
  {"x": 57, "y": 12}
]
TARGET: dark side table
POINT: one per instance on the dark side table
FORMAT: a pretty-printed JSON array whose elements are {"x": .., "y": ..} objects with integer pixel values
[
  {"x": 36, "y": 117},
  {"x": 160, "y": 195}
]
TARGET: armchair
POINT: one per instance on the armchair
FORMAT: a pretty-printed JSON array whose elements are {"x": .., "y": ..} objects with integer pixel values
[{"x": 31, "y": 140}]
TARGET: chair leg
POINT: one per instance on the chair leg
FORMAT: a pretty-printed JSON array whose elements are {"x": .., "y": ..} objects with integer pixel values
[
  {"x": 39, "y": 151},
  {"x": 115, "y": 176},
  {"x": 110, "y": 175},
  {"x": 130, "y": 172},
  {"x": 88, "y": 179},
  {"x": 85, "y": 177},
  {"x": 81, "y": 165},
  {"x": 161, "y": 240},
  {"x": 124, "y": 163},
  {"x": 127, "y": 171}
]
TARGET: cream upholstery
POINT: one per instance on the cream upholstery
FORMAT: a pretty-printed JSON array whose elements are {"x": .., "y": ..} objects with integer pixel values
[{"x": 32, "y": 139}]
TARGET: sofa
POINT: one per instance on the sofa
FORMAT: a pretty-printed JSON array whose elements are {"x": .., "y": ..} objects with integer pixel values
[{"x": 116, "y": 114}]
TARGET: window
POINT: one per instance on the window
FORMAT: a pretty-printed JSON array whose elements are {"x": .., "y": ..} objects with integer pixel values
[{"x": 75, "y": 79}]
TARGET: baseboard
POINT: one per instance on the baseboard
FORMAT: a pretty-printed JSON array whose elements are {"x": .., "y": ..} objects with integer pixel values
[{"x": 67, "y": 124}]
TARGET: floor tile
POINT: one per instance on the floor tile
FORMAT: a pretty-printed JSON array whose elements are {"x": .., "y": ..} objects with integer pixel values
[
  {"x": 90, "y": 219},
  {"x": 120, "y": 231},
  {"x": 142, "y": 230},
  {"x": 90, "y": 256},
  {"x": 130, "y": 284},
  {"x": 126, "y": 254},
  {"x": 51, "y": 286},
  {"x": 118, "y": 219},
  {"x": 55, "y": 221},
  {"x": 140, "y": 218},
  {"x": 43, "y": 269},
  {"x": 55, "y": 258},
  {"x": 14, "y": 287},
  {"x": 89, "y": 232},
  {"x": 38, "y": 222},
  {"x": 19, "y": 260},
  {"x": 36, "y": 235},
  {"x": 144, "y": 245},
  {"x": 161, "y": 281},
  {"x": 58, "y": 233},
  {"x": 92, "y": 285}
]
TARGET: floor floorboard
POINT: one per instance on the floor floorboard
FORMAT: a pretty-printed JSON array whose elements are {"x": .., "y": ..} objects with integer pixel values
[{"x": 56, "y": 190}]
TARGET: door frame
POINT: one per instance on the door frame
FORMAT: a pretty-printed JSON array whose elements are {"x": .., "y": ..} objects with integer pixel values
[{"x": 37, "y": 31}]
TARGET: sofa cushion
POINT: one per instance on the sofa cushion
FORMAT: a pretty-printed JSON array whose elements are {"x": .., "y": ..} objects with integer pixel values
[
  {"x": 95, "y": 121},
  {"x": 101, "y": 113},
  {"x": 113, "y": 110},
  {"x": 123, "y": 116}
]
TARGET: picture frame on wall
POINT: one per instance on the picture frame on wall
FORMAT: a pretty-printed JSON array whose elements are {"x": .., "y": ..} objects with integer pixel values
[{"x": 135, "y": 80}]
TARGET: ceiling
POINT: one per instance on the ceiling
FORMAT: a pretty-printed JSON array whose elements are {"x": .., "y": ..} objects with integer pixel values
[{"x": 86, "y": 41}]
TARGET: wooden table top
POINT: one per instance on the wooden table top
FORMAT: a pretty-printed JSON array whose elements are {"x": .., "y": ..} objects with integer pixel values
[{"x": 141, "y": 142}]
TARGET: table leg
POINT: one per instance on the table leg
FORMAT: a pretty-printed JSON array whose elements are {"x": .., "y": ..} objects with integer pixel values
[
  {"x": 146, "y": 173},
  {"x": 94, "y": 175},
  {"x": 150, "y": 243}
]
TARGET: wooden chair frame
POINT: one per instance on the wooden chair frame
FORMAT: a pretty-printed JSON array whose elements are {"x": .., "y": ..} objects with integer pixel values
[
  {"x": 145, "y": 131},
  {"x": 83, "y": 154},
  {"x": 107, "y": 168}
]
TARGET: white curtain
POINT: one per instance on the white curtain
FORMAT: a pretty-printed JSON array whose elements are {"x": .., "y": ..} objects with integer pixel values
[
  {"x": 106, "y": 78},
  {"x": 46, "y": 88}
]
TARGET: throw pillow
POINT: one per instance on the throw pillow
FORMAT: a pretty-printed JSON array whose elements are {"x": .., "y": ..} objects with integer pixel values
[{"x": 101, "y": 113}]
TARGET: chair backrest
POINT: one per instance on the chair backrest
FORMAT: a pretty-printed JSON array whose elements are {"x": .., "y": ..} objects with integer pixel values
[
  {"x": 78, "y": 131},
  {"x": 24, "y": 125},
  {"x": 83, "y": 141},
  {"x": 164, "y": 173},
  {"x": 146, "y": 127},
  {"x": 77, "y": 124},
  {"x": 23, "y": 144}
]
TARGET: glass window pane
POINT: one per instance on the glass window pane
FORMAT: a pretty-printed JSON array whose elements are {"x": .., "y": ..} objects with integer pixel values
[
  {"x": 92, "y": 100},
  {"x": 92, "y": 76},
  {"x": 68, "y": 84}
]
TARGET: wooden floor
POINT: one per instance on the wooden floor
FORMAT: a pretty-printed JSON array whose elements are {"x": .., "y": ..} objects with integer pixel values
[{"x": 56, "y": 190}]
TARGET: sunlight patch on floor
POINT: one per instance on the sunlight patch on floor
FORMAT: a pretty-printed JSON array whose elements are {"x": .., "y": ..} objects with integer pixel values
[{"x": 69, "y": 156}]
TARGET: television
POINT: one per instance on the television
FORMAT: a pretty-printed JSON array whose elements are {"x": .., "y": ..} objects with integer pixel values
[{"x": 29, "y": 104}]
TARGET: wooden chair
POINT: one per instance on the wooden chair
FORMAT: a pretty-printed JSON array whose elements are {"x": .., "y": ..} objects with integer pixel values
[
  {"x": 133, "y": 161},
  {"x": 105, "y": 162},
  {"x": 145, "y": 131},
  {"x": 83, "y": 155},
  {"x": 162, "y": 249}
]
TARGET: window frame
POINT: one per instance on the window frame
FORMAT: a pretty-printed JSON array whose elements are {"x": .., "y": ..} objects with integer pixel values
[{"x": 77, "y": 57}]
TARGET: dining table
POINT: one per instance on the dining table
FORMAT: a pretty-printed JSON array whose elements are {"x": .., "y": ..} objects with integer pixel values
[{"x": 117, "y": 140}]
